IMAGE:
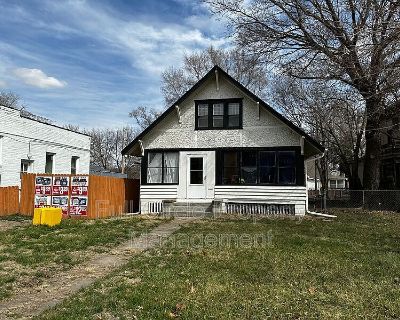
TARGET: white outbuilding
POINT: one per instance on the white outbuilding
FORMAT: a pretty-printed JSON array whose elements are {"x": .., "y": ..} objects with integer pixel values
[{"x": 33, "y": 146}]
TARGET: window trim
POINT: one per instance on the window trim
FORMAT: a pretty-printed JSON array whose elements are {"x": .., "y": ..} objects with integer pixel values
[
  {"x": 145, "y": 167},
  {"x": 299, "y": 167},
  {"x": 225, "y": 102}
]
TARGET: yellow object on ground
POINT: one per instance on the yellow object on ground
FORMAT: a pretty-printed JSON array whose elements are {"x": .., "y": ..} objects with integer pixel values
[
  {"x": 47, "y": 216},
  {"x": 37, "y": 215}
]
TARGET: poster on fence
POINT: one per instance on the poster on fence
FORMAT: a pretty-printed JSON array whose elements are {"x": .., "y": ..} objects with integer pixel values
[
  {"x": 43, "y": 191},
  {"x": 79, "y": 195},
  {"x": 60, "y": 193}
]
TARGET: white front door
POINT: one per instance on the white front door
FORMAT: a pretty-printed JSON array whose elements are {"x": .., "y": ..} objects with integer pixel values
[{"x": 196, "y": 176}]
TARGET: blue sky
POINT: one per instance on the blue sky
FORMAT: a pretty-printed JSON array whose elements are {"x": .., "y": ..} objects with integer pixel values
[{"x": 89, "y": 62}]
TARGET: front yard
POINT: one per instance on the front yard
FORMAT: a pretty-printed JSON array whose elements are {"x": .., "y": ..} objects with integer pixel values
[
  {"x": 240, "y": 269},
  {"x": 29, "y": 254}
]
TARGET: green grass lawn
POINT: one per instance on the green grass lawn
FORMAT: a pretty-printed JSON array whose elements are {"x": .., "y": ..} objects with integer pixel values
[
  {"x": 309, "y": 269},
  {"x": 29, "y": 253}
]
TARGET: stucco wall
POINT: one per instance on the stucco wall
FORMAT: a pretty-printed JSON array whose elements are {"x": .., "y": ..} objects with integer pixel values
[
  {"x": 21, "y": 136},
  {"x": 264, "y": 132}
]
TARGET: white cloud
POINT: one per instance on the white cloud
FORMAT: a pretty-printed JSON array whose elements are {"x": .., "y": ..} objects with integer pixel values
[
  {"x": 3, "y": 84},
  {"x": 149, "y": 45},
  {"x": 37, "y": 78}
]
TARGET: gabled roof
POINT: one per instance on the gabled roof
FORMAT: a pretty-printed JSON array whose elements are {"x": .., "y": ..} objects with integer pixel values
[{"x": 262, "y": 103}]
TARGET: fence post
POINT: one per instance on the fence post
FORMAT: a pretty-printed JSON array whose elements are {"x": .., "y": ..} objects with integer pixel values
[{"x": 363, "y": 199}]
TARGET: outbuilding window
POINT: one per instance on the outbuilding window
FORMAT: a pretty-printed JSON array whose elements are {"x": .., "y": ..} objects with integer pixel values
[{"x": 219, "y": 114}]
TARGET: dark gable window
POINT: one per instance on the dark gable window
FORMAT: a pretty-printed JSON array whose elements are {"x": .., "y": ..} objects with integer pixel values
[
  {"x": 219, "y": 114},
  {"x": 259, "y": 167},
  {"x": 202, "y": 115},
  {"x": 163, "y": 167},
  {"x": 234, "y": 111}
]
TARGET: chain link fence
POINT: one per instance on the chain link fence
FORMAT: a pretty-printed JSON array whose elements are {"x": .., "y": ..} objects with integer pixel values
[{"x": 382, "y": 200}]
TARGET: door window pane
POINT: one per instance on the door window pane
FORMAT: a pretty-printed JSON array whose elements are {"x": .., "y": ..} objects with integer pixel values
[{"x": 196, "y": 170}]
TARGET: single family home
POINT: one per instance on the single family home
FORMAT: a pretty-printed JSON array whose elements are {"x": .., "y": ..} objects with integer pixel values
[{"x": 221, "y": 144}]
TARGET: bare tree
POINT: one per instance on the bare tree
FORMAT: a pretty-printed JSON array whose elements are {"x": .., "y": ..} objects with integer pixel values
[
  {"x": 331, "y": 114},
  {"x": 9, "y": 99},
  {"x": 247, "y": 69},
  {"x": 354, "y": 42},
  {"x": 144, "y": 116},
  {"x": 106, "y": 147}
]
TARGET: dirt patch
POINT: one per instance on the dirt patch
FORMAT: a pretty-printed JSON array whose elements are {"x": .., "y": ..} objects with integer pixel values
[
  {"x": 32, "y": 300},
  {"x": 9, "y": 224}
]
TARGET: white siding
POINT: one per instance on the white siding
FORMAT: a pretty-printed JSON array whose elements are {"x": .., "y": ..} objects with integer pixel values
[
  {"x": 151, "y": 195},
  {"x": 25, "y": 138},
  {"x": 265, "y": 194},
  {"x": 267, "y": 131}
]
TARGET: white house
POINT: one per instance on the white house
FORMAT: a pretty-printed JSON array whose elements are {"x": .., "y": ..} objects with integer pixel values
[
  {"x": 28, "y": 145},
  {"x": 220, "y": 143}
]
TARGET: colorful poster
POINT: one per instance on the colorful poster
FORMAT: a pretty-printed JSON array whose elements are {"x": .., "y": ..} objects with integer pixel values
[
  {"x": 60, "y": 192},
  {"x": 60, "y": 186},
  {"x": 42, "y": 201},
  {"x": 79, "y": 191},
  {"x": 78, "y": 205},
  {"x": 43, "y": 181},
  {"x": 60, "y": 202},
  {"x": 79, "y": 195},
  {"x": 62, "y": 181},
  {"x": 42, "y": 191}
]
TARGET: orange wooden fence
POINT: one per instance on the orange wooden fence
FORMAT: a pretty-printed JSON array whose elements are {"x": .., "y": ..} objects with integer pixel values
[
  {"x": 9, "y": 200},
  {"x": 107, "y": 196}
]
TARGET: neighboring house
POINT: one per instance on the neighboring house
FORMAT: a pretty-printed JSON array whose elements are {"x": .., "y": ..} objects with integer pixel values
[
  {"x": 32, "y": 146},
  {"x": 221, "y": 143},
  {"x": 336, "y": 179}
]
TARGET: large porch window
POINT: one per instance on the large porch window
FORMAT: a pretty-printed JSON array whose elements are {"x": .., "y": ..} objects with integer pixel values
[
  {"x": 163, "y": 167},
  {"x": 273, "y": 167}
]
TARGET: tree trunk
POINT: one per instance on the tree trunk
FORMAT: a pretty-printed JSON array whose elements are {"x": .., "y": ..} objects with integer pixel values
[{"x": 373, "y": 144}]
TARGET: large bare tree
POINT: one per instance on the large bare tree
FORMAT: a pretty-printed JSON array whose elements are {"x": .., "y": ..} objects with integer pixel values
[
  {"x": 334, "y": 115},
  {"x": 144, "y": 116},
  {"x": 9, "y": 99},
  {"x": 354, "y": 42},
  {"x": 106, "y": 147}
]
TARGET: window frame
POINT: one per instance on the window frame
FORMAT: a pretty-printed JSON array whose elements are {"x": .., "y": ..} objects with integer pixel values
[
  {"x": 298, "y": 166},
  {"x": 76, "y": 160},
  {"x": 225, "y": 116},
  {"x": 28, "y": 163},
  {"x": 49, "y": 155},
  {"x": 145, "y": 163}
]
